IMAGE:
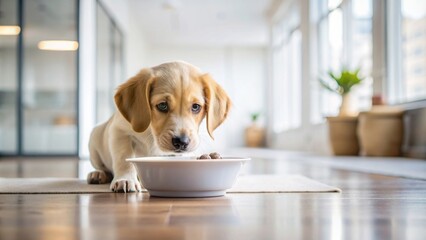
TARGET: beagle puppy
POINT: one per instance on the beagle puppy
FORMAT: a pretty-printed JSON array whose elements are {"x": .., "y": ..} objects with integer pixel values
[{"x": 159, "y": 112}]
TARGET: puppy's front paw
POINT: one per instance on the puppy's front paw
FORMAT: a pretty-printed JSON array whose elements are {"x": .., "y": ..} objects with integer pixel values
[
  {"x": 125, "y": 185},
  {"x": 99, "y": 177}
]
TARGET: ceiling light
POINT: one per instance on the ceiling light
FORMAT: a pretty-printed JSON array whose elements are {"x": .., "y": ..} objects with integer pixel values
[
  {"x": 57, "y": 45},
  {"x": 10, "y": 30}
]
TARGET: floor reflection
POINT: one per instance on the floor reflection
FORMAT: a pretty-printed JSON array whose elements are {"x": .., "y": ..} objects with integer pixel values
[{"x": 140, "y": 211}]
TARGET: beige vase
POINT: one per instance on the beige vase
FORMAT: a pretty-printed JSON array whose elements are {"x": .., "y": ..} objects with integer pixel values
[
  {"x": 347, "y": 107},
  {"x": 381, "y": 132},
  {"x": 343, "y": 135},
  {"x": 254, "y": 136}
]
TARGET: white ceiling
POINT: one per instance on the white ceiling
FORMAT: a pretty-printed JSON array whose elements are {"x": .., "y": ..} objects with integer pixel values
[{"x": 203, "y": 22}]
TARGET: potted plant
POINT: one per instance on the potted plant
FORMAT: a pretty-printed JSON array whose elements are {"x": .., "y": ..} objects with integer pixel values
[
  {"x": 342, "y": 84},
  {"x": 343, "y": 128},
  {"x": 254, "y": 134}
]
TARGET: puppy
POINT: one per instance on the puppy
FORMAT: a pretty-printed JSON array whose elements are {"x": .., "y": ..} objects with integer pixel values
[{"x": 159, "y": 112}]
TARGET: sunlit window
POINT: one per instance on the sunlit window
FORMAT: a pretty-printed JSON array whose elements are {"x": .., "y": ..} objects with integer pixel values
[
  {"x": 343, "y": 33},
  {"x": 287, "y": 65},
  {"x": 361, "y": 48},
  {"x": 407, "y": 48},
  {"x": 330, "y": 57}
]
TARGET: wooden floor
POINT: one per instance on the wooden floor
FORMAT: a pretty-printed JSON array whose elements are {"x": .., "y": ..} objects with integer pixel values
[{"x": 370, "y": 207}]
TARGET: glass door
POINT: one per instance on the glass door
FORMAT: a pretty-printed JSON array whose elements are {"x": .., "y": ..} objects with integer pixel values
[
  {"x": 9, "y": 34},
  {"x": 49, "y": 80}
]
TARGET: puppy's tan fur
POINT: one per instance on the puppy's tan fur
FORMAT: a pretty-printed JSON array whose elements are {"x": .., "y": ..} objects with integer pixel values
[{"x": 138, "y": 128}]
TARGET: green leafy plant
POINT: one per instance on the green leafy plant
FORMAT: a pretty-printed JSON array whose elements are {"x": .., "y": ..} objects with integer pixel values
[
  {"x": 254, "y": 116},
  {"x": 342, "y": 82}
]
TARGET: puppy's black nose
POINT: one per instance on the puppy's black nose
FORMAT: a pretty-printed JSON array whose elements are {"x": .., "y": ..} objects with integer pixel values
[{"x": 180, "y": 143}]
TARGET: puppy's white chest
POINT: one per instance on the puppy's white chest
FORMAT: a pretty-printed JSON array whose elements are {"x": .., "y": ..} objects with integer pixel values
[{"x": 144, "y": 146}]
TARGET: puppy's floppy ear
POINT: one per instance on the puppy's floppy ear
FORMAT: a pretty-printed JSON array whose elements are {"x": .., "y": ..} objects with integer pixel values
[
  {"x": 217, "y": 103},
  {"x": 132, "y": 100}
]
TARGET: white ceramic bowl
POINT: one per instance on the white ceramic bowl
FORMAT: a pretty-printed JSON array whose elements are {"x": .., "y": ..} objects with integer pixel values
[{"x": 187, "y": 176}]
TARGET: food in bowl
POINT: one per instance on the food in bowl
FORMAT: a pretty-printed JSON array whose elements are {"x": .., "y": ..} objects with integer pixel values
[
  {"x": 213, "y": 155},
  {"x": 187, "y": 176},
  {"x": 204, "y": 156}
]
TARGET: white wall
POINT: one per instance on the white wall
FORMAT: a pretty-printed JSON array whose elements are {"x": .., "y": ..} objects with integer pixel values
[
  {"x": 136, "y": 46},
  {"x": 240, "y": 71},
  {"x": 313, "y": 138},
  {"x": 87, "y": 75}
]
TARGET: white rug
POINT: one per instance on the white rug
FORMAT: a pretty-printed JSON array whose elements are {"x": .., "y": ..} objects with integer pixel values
[{"x": 244, "y": 184}]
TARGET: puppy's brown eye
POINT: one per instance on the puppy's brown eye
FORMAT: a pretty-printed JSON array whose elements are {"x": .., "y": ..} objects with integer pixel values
[
  {"x": 196, "y": 108},
  {"x": 163, "y": 107}
]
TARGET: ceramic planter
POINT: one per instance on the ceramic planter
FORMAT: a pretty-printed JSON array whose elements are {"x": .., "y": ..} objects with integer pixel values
[
  {"x": 347, "y": 107},
  {"x": 343, "y": 135},
  {"x": 381, "y": 133},
  {"x": 254, "y": 136}
]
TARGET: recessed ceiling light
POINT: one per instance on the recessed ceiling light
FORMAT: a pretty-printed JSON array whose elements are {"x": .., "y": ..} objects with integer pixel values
[
  {"x": 10, "y": 30},
  {"x": 58, "y": 45}
]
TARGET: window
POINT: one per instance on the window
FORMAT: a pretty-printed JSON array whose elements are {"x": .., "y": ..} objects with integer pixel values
[
  {"x": 9, "y": 77},
  {"x": 330, "y": 56},
  {"x": 39, "y": 77},
  {"x": 360, "y": 44},
  {"x": 287, "y": 78},
  {"x": 344, "y": 39},
  {"x": 406, "y": 48},
  {"x": 49, "y": 97}
]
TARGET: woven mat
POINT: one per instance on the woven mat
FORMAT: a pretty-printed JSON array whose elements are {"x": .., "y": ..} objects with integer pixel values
[{"x": 244, "y": 184}]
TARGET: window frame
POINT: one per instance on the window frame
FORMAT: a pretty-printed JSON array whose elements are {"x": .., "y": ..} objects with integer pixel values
[
  {"x": 320, "y": 96},
  {"x": 393, "y": 84},
  {"x": 282, "y": 35}
]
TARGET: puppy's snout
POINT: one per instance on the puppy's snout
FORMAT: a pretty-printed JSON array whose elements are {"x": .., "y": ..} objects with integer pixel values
[{"x": 180, "y": 142}]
